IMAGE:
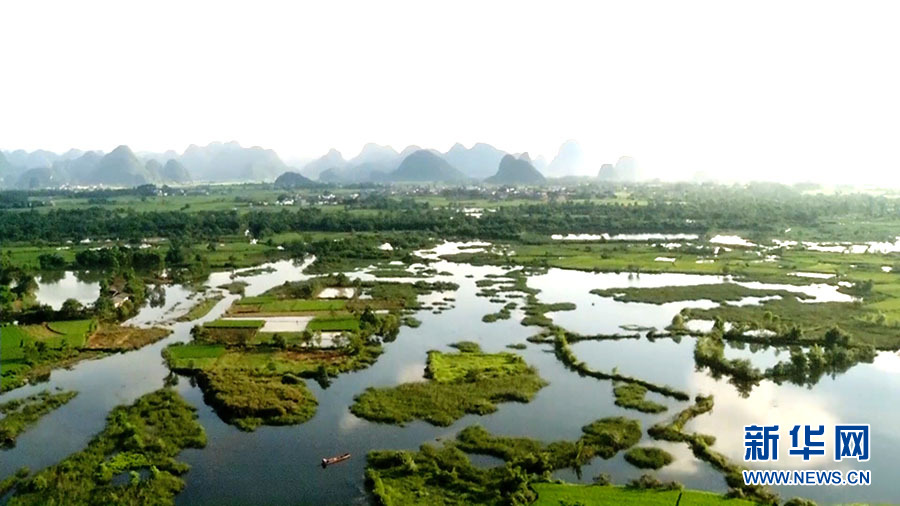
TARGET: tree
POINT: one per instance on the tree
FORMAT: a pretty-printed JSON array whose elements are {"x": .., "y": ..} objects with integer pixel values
[
  {"x": 177, "y": 254},
  {"x": 51, "y": 261},
  {"x": 836, "y": 337},
  {"x": 26, "y": 285},
  {"x": 71, "y": 309}
]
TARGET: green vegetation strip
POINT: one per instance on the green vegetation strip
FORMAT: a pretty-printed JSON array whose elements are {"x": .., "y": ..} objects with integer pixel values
[
  {"x": 796, "y": 322},
  {"x": 462, "y": 383},
  {"x": 720, "y": 292},
  {"x": 267, "y": 304},
  {"x": 567, "y": 356},
  {"x": 337, "y": 323},
  {"x": 201, "y": 309},
  {"x": 700, "y": 445},
  {"x": 19, "y": 414},
  {"x": 601, "y": 438},
  {"x": 140, "y": 441}
]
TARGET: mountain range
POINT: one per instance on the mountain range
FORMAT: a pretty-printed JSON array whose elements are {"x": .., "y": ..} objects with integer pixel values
[
  {"x": 231, "y": 162},
  {"x": 215, "y": 162}
]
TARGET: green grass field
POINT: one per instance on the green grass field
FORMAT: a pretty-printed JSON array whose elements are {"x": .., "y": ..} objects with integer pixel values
[
  {"x": 450, "y": 367},
  {"x": 15, "y": 340},
  {"x": 266, "y": 304},
  {"x": 201, "y": 308},
  {"x": 334, "y": 324},
  {"x": 53, "y": 334},
  {"x": 555, "y": 494},
  {"x": 191, "y": 356}
]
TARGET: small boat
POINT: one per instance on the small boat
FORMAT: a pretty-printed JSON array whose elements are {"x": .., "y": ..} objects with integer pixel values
[{"x": 334, "y": 460}]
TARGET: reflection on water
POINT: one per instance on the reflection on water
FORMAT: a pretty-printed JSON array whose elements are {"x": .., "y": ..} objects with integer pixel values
[
  {"x": 279, "y": 465},
  {"x": 54, "y": 288}
]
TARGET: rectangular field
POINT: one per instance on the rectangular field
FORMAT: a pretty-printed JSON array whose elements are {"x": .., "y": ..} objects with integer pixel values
[
  {"x": 334, "y": 324},
  {"x": 273, "y": 305}
]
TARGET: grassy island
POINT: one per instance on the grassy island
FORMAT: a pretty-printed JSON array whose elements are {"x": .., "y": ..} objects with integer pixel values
[
  {"x": 459, "y": 383},
  {"x": 648, "y": 458},
  {"x": 632, "y": 396},
  {"x": 719, "y": 292},
  {"x": 253, "y": 376},
  {"x": 201, "y": 308},
  {"x": 132, "y": 461}
]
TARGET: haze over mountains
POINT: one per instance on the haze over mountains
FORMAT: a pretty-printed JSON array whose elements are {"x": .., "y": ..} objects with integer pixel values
[{"x": 231, "y": 162}]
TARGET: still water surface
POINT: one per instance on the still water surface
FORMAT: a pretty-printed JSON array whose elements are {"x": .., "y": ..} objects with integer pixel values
[{"x": 279, "y": 465}]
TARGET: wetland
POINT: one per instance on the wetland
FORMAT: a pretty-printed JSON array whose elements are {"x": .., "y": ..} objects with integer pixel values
[{"x": 530, "y": 369}]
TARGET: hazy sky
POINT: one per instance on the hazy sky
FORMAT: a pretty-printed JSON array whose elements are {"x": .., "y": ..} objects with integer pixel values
[{"x": 782, "y": 89}]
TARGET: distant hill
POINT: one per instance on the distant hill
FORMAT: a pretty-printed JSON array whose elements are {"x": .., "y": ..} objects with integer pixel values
[
  {"x": 373, "y": 163},
  {"x": 374, "y": 154},
  {"x": 364, "y": 173},
  {"x": 624, "y": 170},
  {"x": 42, "y": 177},
  {"x": 36, "y": 159},
  {"x": 514, "y": 171},
  {"x": 290, "y": 180},
  {"x": 425, "y": 166},
  {"x": 333, "y": 159},
  {"x": 80, "y": 169},
  {"x": 153, "y": 167},
  {"x": 539, "y": 162},
  {"x": 121, "y": 168},
  {"x": 174, "y": 172},
  {"x": 478, "y": 162},
  {"x": 408, "y": 150},
  {"x": 6, "y": 169},
  {"x": 568, "y": 160},
  {"x": 223, "y": 162}
]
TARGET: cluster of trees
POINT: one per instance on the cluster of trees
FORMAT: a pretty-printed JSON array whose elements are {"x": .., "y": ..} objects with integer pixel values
[
  {"x": 836, "y": 353},
  {"x": 672, "y": 208},
  {"x": 16, "y": 285},
  {"x": 111, "y": 258}
]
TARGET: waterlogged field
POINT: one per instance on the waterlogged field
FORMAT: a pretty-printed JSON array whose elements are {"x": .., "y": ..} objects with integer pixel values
[{"x": 590, "y": 346}]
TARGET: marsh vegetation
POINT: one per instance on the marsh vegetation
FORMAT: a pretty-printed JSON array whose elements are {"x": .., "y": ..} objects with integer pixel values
[
  {"x": 459, "y": 383},
  {"x": 19, "y": 414},
  {"x": 255, "y": 374},
  {"x": 140, "y": 441}
]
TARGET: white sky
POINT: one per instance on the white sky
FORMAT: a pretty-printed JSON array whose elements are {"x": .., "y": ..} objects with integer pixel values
[{"x": 787, "y": 90}]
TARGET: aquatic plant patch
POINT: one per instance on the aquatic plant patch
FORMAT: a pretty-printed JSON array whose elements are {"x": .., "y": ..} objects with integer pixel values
[
  {"x": 460, "y": 383},
  {"x": 141, "y": 440}
]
